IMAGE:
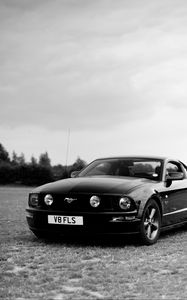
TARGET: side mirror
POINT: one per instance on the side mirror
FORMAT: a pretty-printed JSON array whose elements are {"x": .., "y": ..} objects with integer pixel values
[
  {"x": 175, "y": 176},
  {"x": 74, "y": 174}
]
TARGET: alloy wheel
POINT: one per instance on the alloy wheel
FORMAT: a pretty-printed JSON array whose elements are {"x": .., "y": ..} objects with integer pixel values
[{"x": 151, "y": 222}]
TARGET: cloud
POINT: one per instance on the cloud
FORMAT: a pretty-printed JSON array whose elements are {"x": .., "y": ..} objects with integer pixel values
[
  {"x": 90, "y": 66},
  {"x": 114, "y": 72}
]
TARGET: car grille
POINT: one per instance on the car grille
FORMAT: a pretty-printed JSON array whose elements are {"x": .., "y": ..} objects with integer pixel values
[{"x": 80, "y": 202}]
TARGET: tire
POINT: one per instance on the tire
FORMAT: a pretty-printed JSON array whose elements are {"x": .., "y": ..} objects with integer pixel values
[{"x": 150, "y": 223}]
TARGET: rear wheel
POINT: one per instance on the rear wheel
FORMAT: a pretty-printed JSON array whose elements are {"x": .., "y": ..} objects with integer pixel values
[{"x": 150, "y": 223}]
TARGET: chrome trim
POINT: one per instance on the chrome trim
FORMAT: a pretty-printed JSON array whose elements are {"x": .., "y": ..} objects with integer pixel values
[{"x": 175, "y": 212}]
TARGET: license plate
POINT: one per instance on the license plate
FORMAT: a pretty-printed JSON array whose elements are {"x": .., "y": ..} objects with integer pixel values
[{"x": 65, "y": 220}]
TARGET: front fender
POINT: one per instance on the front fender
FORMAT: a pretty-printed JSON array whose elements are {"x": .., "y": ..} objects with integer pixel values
[{"x": 142, "y": 195}]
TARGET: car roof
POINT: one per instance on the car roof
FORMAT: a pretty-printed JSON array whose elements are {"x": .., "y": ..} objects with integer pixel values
[{"x": 164, "y": 158}]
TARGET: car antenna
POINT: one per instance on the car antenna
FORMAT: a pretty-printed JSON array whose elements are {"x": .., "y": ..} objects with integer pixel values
[{"x": 67, "y": 150}]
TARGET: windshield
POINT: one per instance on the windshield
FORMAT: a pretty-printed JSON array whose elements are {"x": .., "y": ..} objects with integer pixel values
[{"x": 143, "y": 168}]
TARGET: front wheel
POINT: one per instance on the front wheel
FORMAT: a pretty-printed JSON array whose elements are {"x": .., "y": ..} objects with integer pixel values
[{"x": 150, "y": 223}]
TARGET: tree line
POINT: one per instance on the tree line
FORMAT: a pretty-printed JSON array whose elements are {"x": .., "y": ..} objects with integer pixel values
[{"x": 15, "y": 170}]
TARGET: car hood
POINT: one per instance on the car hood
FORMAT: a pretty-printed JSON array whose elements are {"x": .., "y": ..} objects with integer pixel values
[{"x": 113, "y": 185}]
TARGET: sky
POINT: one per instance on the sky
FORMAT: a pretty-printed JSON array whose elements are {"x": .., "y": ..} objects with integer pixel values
[{"x": 89, "y": 79}]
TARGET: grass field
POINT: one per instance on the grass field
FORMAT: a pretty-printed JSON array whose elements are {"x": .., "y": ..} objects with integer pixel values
[{"x": 85, "y": 269}]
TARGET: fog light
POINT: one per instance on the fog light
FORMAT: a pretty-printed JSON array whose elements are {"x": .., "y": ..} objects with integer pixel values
[
  {"x": 130, "y": 218},
  {"x": 95, "y": 201},
  {"x": 125, "y": 203},
  {"x": 29, "y": 215},
  {"x": 48, "y": 199}
]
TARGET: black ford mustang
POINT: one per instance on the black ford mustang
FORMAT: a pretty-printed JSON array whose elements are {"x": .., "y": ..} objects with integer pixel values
[{"x": 113, "y": 195}]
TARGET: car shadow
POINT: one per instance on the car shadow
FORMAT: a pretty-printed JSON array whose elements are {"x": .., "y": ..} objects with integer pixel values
[
  {"x": 171, "y": 233},
  {"x": 92, "y": 241},
  {"x": 117, "y": 240}
]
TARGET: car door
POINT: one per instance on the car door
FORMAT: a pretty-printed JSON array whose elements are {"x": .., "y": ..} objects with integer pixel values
[{"x": 175, "y": 196}]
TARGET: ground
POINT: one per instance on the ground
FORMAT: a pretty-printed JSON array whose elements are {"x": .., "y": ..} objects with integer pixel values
[{"x": 117, "y": 268}]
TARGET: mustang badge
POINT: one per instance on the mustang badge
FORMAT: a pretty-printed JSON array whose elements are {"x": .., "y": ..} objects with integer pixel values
[{"x": 70, "y": 200}]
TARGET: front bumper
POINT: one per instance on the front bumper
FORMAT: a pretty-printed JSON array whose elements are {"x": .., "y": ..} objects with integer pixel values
[{"x": 94, "y": 222}]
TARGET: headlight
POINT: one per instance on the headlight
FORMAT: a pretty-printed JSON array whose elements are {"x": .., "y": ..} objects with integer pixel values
[
  {"x": 95, "y": 201},
  {"x": 33, "y": 200},
  {"x": 48, "y": 199},
  {"x": 124, "y": 203}
]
